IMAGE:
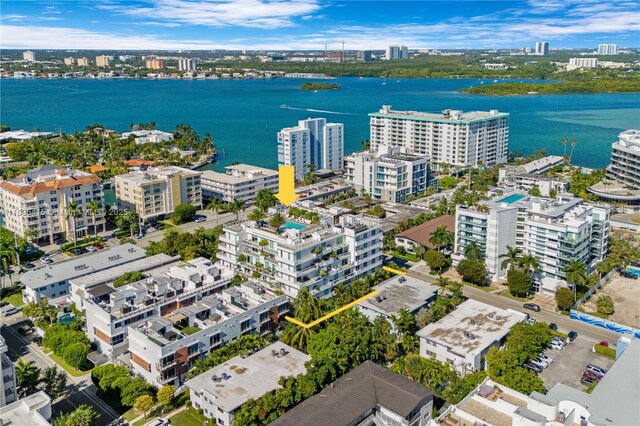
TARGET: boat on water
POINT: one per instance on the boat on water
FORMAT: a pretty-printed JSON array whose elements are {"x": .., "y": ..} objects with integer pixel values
[{"x": 283, "y": 106}]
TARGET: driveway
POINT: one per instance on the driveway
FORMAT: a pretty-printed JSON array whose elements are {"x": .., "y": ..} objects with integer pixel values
[{"x": 569, "y": 363}]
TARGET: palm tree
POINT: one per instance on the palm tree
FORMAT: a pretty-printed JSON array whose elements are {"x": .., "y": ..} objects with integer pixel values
[
  {"x": 265, "y": 199},
  {"x": 7, "y": 253},
  {"x": 306, "y": 306},
  {"x": 93, "y": 207},
  {"x": 256, "y": 215},
  {"x": 530, "y": 263},
  {"x": 564, "y": 142},
  {"x": 443, "y": 282},
  {"x": 296, "y": 336},
  {"x": 472, "y": 251},
  {"x": 419, "y": 250},
  {"x": 72, "y": 211},
  {"x": 575, "y": 274},
  {"x": 277, "y": 220},
  {"x": 511, "y": 257},
  {"x": 27, "y": 377},
  {"x": 31, "y": 234},
  {"x": 237, "y": 206},
  {"x": 217, "y": 205},
  {"x": 441, "y": 237}
]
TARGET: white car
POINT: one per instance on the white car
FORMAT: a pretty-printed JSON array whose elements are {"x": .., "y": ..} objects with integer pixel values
[
  {"x": 540, "y": 362},
  {"x": 556, "y": 345},
  {"x": 91, "y": 249},
  {"x": 200, "y": 219},
  {"x": 559, "y": 340},
  {"x": 546, "y": 358},
  {"x": 158, "y": 422},
  {"x": 45, "y": 260}
]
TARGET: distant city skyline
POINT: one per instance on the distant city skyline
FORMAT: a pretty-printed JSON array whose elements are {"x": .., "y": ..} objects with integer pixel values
[{"x": 312, "y": 24}]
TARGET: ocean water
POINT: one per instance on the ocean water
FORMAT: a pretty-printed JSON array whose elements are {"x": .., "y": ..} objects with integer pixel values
[{"x": 244, "y": 116}]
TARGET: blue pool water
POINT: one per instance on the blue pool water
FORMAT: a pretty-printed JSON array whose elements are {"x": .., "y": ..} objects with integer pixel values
[
  {"x": 294, "y": 225},
  {"x": 634, "y": 271},
  {"x": 66, "y": 319},
  {"x": 512, "y": 198}
]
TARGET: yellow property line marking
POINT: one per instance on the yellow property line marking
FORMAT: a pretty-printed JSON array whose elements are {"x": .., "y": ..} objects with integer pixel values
[
  {"x": 329, "y": 315},
  {"x": 395, "y": 271}
]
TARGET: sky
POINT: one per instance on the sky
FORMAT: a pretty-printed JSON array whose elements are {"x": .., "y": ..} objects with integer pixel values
[{"x": 312, "y": 24}]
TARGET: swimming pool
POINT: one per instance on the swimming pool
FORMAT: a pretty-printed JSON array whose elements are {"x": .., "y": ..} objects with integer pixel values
[
  {"x": 66, "y": 319},
  {"x": 294, "y": 225},
  {"x": 633, "y": 271},
  {"x": 512, "y": 198}
]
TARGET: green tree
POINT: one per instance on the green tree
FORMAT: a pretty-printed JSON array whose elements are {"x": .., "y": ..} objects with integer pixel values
[
  {"x": 459, "y": 387},
  {"x": 73, "y": 211},
  {"x": 143, "y": 404},
  {"x": 237, "y": 206},
  {"x": 216, "y": 205},
  {"x": 447, "y": 182},
  {"x": 436, "y": 260},
  {"x": 511, "y": 257},
  {"x": 128, "y": 278},
  {"x": 276, "y": 220},
  {"x": 27, "y": 377},
  {"x": 529, "y": 263},
  {"x": 165, "y": 396},
  {"x": 473, "y": 271},
  {"x": 84, "y": 415},
  {"x": 576, "y": 274},
  {"x": 93, "y": 208},
  {"x": 76, "y": 354},
  {"x": 405, "y": 322},
  {"x": 183, "y": 213},
  {"x": 310, "y": 178},
  {"x": 134, "y": 389},
  {"x": 472, "y": 251},
  {"x": 256, "y": 215},
  {"x": 564, "y": 298},
  {"x": 519, "y": 282},
  {"x": 441, "y": 237},
  {"x": 265, "y": 199},
  {"x": 54, "y": 381},
  {"x": 604, "y": 305},
  {"x": 504, "y": 367}
]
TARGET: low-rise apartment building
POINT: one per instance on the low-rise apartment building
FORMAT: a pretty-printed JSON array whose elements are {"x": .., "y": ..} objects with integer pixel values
[
  {"x": 39, "y": 200},
  {"x": 530, "y": 175},
  {"x": 240, "y": 182},
  {"x": 156, "y": 192},
  {"x": 52, "y": 280},
  {"x": 221, "y": 391},
  {"x": 554, "y": 230},
  {"x": 148, "y": 136},
  {"x": 8, "y": 385},
  {"x": 32, "y": 410},
  {"x": 388, "y": 174},
  {"x": 464, "y": 337},
  {"x": 303, "y": 253}
]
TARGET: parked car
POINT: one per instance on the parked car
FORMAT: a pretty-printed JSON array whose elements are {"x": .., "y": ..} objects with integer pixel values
[
  {"x": 539, "y": 363},
  {"x": 534, "y": 367},
  {"x": 556, "y": 345},
  {"x": 158, "y": 422},
  {"x": 46, "y": 260},
  {"x": 604, "y": 343},
  {"x": 532, "y": 306},
  {"x": 591, "y": 375},
  {"x": 91, "y": 249},
  {"x": 598, "y": 371},
  {"x": 10, "y": 311},
  {"x": 545, "y": 358},
  {"x": 586, "y": 381},
  {"x": 201, "y": 219},
  {"x": 553, "y": 326},
  {"x": 572, "y": 335},
  {"x": 28, "y": 265},
  {"x": 3, "y": 304},
  {"x": 25, "y": 329},
  {"x": 559, "y": 340}
]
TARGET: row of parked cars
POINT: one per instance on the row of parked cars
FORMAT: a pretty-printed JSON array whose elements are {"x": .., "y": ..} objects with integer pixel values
[
  {"x": 542, "y": 361},
  {"x": 592, "y": 373}
]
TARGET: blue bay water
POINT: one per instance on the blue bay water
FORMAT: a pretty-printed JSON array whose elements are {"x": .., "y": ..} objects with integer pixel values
[{"x": 244, "y": 116}]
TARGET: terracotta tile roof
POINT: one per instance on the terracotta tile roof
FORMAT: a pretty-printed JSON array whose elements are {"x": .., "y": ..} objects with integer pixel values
[
  {"x": 49, "y": 185},
  {"x": 96, "y": 169},
  {"x": 420, "y": 234},
  {"x": 137, "y": 163}
]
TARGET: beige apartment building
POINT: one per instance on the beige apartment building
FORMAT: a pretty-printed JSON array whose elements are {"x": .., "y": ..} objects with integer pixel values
[
  {"x": 39, "y": 200},
  {"x": 154, "y": 64},
  {"x": 83, "y": 62},
  {"x": 103, "y": 61},
  {"x": 70, "y": 61},
  {"x": 156, "y": 192}
]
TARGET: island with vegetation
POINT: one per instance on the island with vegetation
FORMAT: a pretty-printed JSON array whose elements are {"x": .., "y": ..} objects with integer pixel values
[
  {"x": 319, "y": 86},
  {"x": 610, "y": 85}
]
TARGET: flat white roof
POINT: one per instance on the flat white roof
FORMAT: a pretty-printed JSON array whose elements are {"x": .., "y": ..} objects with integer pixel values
[
  {"x": 251, "y": 377},
  {"x": 472, "y": 327},
  {"x": 82, "y": 265},
  {"x": 400, "y": 292},
  {"x": 26, "y": 411}
]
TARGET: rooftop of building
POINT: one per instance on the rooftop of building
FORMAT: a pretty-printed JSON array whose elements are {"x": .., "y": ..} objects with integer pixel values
[
  {"x": 27, "y": 411},
  {"x": 239, "y": 379},
  {"x": 538, "y": 165},
  {"x": 156, "y": 174},
  {"x": 422, "y": 233},
  {"x": 321, "y": 189},
  {"x": 354, "y": 395},
  {"x": 24, "y": 135},
  {"x": 615, "y": 400},
  {"x": 143, "y": 132},
  {"x": 47, "y": 178},
  {"x": 82, "y": 265},
  {"x": 238, "y": 173},
  {"x": 447, "y": 115},
  {"x": 472, "y": 327},
  {"x": 630, "y": 139},
  {"x": 400, "y": 292}
]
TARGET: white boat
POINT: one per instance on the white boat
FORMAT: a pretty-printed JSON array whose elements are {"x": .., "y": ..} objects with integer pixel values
[{"x": 283, "y": 106}]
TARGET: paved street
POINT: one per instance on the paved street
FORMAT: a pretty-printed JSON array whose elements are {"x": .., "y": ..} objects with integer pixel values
[{"x": 80, "y": 390}]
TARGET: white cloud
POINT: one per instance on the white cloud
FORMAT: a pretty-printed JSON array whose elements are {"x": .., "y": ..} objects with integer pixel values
[{"x": 221, "y": 13}]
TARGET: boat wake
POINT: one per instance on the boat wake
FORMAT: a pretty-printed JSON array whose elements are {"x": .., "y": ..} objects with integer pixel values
[{"x": 321, "y": 110}]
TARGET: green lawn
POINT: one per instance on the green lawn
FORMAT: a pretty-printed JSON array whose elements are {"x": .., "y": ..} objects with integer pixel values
[
  {"x": 188, "y": 417},
  {"x": 635, "y": 220},
  {"x": 486, "y": 288},
  {"x": 15, "y": 299},
  {"x": 69, "y": 369},
  {"x": 190, "y": 330},
  {"x": 506, "y": 293},
  {"x": 130, "y": 415},
  {"x": 407, "y": 256}
]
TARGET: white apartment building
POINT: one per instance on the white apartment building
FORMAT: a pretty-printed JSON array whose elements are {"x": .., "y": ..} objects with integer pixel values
[
  {"x": 388, "y": 174},
  {"x": 221, "y": 391},
  {"x": 457, "y": 138},
  {"x": 240, "y": 182},
  {"x": 39, "y": 199},
  {"x": 187, "y": 64},
  {"x": 527, "y": 176},
  {"x": 148, "y": 136},
  {"x": 301, "y": 254},
  {"x": 32, "y": 410},
  {"x": 607, "y": 49},
  {"x": 52, "y": 281},
  {"x": 192, "y": 324},
  {"x": 29, "y": 56},
  {"x": 542, "y": 48},
  {"x": 463, "y": 337},
  {"x": 103, "y": 61},
  {"x": 8, "y": 383},
  {"x": 313, "y": 142},
  {"x": 586, "y": 63},
  {"x": 70, "y": 61},
  {"x": 397, "y": 52},
  {"x": 554, "y": 230},
  {"x": 83, "y": 62},
  {"x": 625, "y": 159},
  {"x": 497, "y": 66},
  {"x": 156, "y": 192}
]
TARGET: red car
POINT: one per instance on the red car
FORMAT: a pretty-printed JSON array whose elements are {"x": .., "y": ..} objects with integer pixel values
[{"x": 590, "y": 375}]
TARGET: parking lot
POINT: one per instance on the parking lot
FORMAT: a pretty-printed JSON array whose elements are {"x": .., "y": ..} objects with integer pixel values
[{"x": 569, "y": 363}]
